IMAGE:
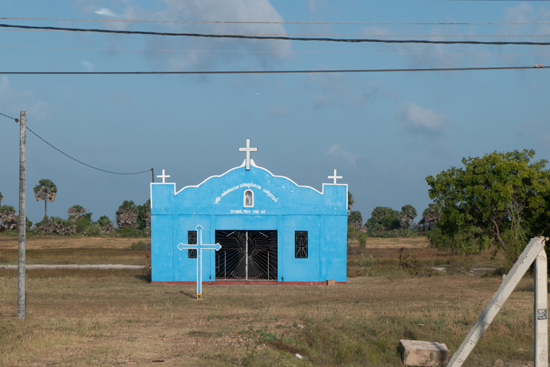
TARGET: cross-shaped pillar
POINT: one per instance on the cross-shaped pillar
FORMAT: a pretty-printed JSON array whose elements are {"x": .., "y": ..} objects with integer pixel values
[
  {"x": 248, "y": 149},
  {"x": 199, "y": 247}
]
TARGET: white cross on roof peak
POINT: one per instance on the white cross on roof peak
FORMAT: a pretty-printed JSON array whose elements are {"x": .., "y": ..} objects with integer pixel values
[
  {"x": 335, "y": 177},
  {"x": 164, "y": 176},
  {"x": 248, "y": 149}
]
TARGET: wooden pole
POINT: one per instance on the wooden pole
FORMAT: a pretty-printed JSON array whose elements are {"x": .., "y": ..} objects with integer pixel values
[{"x": 22, "y": 215}]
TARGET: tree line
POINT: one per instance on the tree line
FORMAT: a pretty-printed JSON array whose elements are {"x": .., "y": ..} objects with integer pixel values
[
  {"x": 132, "y": 220},
  {"x": 498, "y": 201}
]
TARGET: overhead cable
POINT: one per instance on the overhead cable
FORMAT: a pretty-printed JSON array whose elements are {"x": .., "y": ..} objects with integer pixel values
[
  {"x": 320, "y": 71},
  {"x": 335, "y": 35},
  {"x": 74, "y": 159},
  {"x": 283, "y": 38},
  {"x": 274, "y": 52},
  {"x": 258, "y": 22}
]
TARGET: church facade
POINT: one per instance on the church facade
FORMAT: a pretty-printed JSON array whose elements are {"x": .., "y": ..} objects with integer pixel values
[{"x": 271, "y": 230}]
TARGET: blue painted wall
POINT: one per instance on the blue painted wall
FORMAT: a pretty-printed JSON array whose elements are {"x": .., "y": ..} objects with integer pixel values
[{"x": 279, "y": 204}]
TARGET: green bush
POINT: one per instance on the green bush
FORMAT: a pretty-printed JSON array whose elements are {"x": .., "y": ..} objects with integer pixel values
[
  {"x": 140, "y": 246},
  {"x": 128, "y": 233}
]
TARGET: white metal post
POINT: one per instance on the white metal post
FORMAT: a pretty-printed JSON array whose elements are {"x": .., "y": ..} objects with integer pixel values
[
  {"x": 541, "y": 310},
  {"x": 246, "y": 255}
]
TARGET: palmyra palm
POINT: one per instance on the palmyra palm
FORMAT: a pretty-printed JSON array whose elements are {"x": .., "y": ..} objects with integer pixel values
[{"x": 45, "y": 190}]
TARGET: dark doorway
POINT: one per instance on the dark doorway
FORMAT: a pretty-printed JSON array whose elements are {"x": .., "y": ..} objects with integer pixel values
[{"x": 249, "y": 255}]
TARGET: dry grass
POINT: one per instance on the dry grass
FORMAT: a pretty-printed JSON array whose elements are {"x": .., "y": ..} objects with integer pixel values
[
  {"x": 89, "y": 318},
  {"x": 58, "y": 242}
]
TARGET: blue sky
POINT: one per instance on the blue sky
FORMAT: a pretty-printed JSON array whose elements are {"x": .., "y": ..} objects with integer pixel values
[{"x": 384, "y": 132}]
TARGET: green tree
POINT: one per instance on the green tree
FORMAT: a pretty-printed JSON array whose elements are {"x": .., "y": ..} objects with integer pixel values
[
  {"x": 355, "y": 219},
  {"x": 45, "y": 190},
  {"x": 383, "y": 219},
  {"x": 492, "y": 194},
  {"x": 126, "y": 215},
  {"x": 408, "y": 213},
  {"x": 351, "y": 200},
  {"x": 431, "y": 216},
  {"x": 144, "y": 215}
]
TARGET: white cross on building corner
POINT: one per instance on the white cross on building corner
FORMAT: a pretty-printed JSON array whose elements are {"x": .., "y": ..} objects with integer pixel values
[{"x": 335, "y": 177}]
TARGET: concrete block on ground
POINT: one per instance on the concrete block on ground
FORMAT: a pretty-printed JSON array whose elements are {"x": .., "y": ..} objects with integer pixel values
[
  {"x": 331, "y": 282},
  {"x": 422, "y": 353}
]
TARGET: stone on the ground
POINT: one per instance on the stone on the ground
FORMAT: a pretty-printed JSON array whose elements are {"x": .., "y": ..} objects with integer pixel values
[
  {"x": 422, "y": 353},
  {"x": 331, "y": 282}
]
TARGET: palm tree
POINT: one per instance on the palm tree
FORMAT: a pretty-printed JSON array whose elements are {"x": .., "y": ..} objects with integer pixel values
[{"x": 45, "y": 190}]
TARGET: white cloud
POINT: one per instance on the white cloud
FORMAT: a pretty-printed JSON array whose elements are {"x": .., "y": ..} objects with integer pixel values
[
  {"x": 12, "y": 101},
  {"x": 336, "y": 151},
  {"x": 106, "y": 12},
  {"x": 200, "y": 50},
  {"x": 87, "y": 65},
  {"x": 416, "y": 119}
]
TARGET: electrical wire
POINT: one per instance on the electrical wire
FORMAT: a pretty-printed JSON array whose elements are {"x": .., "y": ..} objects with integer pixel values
[
  {"x": 251, "y": 22},
  {"x": 342, "y": 35},
  {"x": 538, "y": 66},
  {"x": 275, "y": 52},
  {"x": 74, "y": 159},
  {"x": 283, "y": 38},
  {"x": 85, "y": 164},
  {"x": 13, "y": 118}
]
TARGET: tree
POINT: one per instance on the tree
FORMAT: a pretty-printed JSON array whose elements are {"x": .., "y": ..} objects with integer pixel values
[
  {"x": 1, "y": 197},
  {"x": 383, "y": 219},
  {"x": 431, "y": 216},
  {"x": 126, "y": 215},
  {"x": 493, "y": 194},
  {"x": 355, "y": 219},
  {"x": 76, "y": 212},
  {"x": 45, "y": 190},
  {"x": 8, "y": 218},
  {"x": 351, "y": 200},
  {"x": 408, "y": 213}
]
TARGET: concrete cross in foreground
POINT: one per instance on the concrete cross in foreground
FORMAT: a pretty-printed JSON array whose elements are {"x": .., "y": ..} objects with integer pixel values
[
  {"x": 248, "y": 149},
  {"x": 335, "y": 177},
  {"x": 163, "y": 176},
  {"x": 199, "y": 247}
]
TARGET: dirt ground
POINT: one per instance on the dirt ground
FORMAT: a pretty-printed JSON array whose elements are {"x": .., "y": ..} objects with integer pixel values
[{"x": 116, "y": 317}]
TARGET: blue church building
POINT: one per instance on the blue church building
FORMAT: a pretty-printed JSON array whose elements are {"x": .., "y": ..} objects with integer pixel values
[{"x": 271, "y": 230}]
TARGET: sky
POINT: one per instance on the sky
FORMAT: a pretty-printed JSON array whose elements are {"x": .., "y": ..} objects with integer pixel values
[{"x": 383, "y": 132}]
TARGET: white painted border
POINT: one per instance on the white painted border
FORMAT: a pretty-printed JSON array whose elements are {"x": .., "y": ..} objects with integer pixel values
[{"x": 322, "y": 192}]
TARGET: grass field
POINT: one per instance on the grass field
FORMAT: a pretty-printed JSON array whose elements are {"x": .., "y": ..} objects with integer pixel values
[{"x": 101, "y": 317}]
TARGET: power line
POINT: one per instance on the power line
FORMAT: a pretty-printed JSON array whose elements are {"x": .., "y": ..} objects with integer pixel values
[
  {"x": 13, "y": 118},
  {"x": 266, "y": 71},
  {"x": 276, "y": 52},
  {"x": 74, "y": 159},
  {"x": 252, "y": 22},
  {"x": 283, "y": 38},
  {"x": 343, "y": 35}
]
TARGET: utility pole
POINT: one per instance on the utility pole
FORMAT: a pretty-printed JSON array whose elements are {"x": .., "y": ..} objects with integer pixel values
[
  {"x": 22, "y": 215},
  {"x": 153, "y": 175}
]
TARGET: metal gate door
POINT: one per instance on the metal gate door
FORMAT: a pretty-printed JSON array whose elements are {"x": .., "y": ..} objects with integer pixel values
[{"x": 246, "y": 255}]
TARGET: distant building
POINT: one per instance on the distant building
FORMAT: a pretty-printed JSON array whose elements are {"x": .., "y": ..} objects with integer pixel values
[{"x": 270, "y": 228}]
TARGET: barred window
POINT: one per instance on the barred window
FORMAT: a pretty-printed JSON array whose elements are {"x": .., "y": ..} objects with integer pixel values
[
  {"x": 192, "y": 240},
  {"x": 300, "y": 244}
]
